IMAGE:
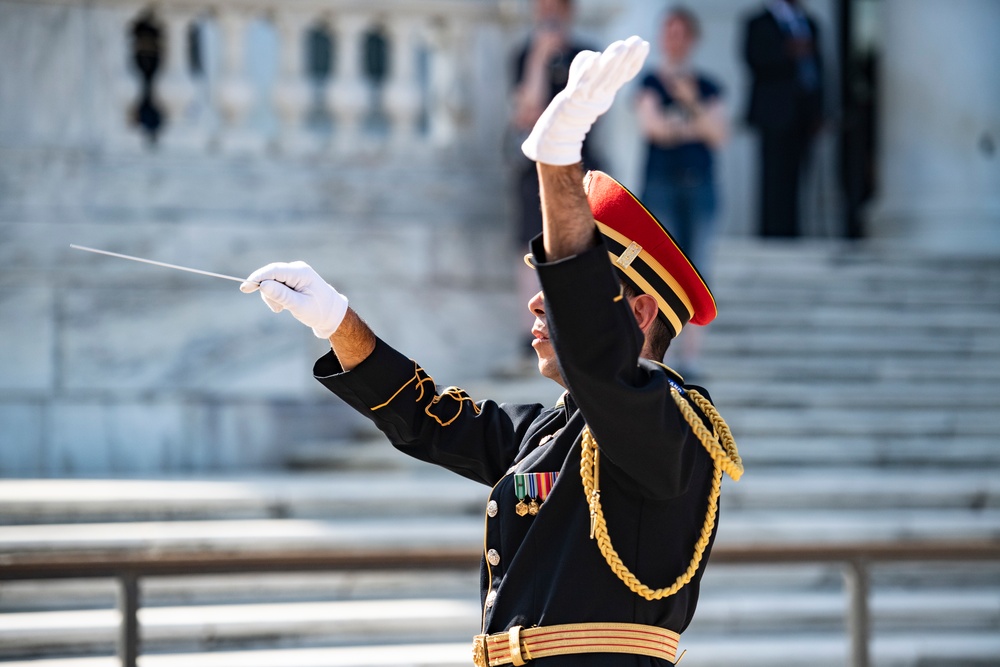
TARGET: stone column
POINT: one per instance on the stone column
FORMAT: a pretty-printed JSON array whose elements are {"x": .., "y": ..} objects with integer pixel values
[
  {"x": 176, "y": 89},
  {"x": 449, "y": 88},
  {"x": 402, "y": 98},
  {"x": 939, "y": 125},
  {"x": 123, "y": 134},
  {"x": 291, "y": 92},
  {"x": 236, "y": 93},
  {"x": 347, "y": 95}
]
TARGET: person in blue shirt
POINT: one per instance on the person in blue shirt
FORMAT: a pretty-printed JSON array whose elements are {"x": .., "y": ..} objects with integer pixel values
[{"x": 683, "y": 120}]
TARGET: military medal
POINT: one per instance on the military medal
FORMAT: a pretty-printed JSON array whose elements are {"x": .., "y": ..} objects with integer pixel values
[
  {"x": 533, "y": 506},
  {"x": 534, "y": 487},
  {"x": 520, "y": 491}
]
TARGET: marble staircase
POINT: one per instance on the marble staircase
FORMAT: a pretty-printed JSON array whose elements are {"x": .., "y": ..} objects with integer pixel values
[{"x": 863, "y": 388}]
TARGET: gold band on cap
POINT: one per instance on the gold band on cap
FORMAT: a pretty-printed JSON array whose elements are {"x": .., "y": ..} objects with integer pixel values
[
  {"x": 657, "y": 268},
  {"x": 646, "y": 288}
]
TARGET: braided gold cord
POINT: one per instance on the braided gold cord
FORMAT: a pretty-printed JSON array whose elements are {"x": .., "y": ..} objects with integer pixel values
[
  {"x": 725, "y": 458},
  {"x": 720, "y": 444}
]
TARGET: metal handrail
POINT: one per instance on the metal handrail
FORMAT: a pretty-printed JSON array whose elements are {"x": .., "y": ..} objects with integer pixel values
[{"x": 129, "y": 566}]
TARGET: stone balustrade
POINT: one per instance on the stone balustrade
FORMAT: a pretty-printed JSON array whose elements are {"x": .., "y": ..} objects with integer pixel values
[{"x": 297, "y": 76}]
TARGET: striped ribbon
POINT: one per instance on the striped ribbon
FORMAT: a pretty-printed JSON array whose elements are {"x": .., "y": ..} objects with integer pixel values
[{"x": 535, "y": 485}]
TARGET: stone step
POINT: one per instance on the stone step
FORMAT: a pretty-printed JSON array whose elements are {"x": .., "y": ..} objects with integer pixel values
[
  {"x": 830, "y": 526},
  {"x": 776, "y": 367},
  {"x": 724, "y": 579},
  {"x": 744, "y": 261},
  {"x": 890, "y": 286},
  {"x": 938, "y": 302},
  {"x": 745, "y": 526},
  {"x": 904, "y": 649},
  {"x": 871, "y": 421},
  {"x": 809, "y": 319},
  {"x": 352, "y": 496},
  {"x": 886, "y": 276},
  {"x": 223, "y": 589},
  {"x": 983, "y": 347},
  {"x": 753, "y": 612},
  {"x": 861, "y": 488},
  {"x": 891, "y": 395},
  {"x": 220, "y": 589},
  {"x": 442, "y": 619},
  {"x": 344, "y": 455},
  {"x": 855, "y": 309},
  {"x": 953, "y": 362},
  {"x": 881, "y": 452},
  {"x": 245, "y": 625},
  {"x": 830, "y": 290},
  {"x": 249, "y": 535},
  {"x": 300, "y": 495}
]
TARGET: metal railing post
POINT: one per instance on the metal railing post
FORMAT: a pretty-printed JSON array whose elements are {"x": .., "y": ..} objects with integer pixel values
[
  {"x": 128, "y": 607},
  {"x": 856, "y": 579}
]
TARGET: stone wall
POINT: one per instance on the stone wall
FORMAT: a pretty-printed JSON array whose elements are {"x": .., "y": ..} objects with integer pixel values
[
  {"x": 117, "y": 367},
  {"x": 111, "y": 365}
]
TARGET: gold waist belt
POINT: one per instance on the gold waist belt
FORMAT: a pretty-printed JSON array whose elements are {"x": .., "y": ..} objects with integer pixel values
[{"x": 518, "y": 645}]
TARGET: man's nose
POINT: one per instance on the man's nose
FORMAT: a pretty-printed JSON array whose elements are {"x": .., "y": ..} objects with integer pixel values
[{"x": 537, "y": 306}]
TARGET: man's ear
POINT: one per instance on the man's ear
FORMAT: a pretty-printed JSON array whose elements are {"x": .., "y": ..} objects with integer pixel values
[{"x": 645, "y": 309}]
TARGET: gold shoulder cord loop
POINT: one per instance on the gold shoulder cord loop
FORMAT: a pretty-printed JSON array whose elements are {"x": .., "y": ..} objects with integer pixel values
[{"x": 722, "y": 448}]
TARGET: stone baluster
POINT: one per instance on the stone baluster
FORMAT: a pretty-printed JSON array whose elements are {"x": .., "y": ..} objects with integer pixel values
[
  {"x": 175, "y": 89},
  {"x": 122, "y": 132},
  {"x": 235, "y": 94},
  {"x": 402, "y": 95},
  {"x": 291, "y": 91},
  {"x": 347, "y": 96},
  {"x": 449, "y": 105}
]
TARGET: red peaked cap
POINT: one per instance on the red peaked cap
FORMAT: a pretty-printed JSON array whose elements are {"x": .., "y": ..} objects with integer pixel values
[{"x": 647, "y": 254}]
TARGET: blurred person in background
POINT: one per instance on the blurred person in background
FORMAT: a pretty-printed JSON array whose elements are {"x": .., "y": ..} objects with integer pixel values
[
  {"x": 683, "y": 120},
  {"x": 541, "y": 70},
  {"x": 781, "y": 48}
]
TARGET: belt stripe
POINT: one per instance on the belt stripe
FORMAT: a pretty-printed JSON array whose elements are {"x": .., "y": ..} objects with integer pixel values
[{"x": 582, "y": 638}]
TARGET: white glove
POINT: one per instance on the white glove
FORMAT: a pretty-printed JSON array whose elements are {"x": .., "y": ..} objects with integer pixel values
[
  {"x": 594, "y": 78},
  {"x": 296, "y": 287}
]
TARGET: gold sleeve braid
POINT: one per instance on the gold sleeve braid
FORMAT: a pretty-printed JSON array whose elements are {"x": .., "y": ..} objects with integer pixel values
[{"x": 720, "y": 445}]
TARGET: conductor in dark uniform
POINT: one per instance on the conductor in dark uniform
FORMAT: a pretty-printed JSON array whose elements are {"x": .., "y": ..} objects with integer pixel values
[
  {"x": 781, "y": 48},
  {"x": 603, "y": 508}
]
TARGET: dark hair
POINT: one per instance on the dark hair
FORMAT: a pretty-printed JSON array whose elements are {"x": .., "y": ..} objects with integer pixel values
[
  {"x": 658, "y": 336},
  {"x": 687, "y": 17}
]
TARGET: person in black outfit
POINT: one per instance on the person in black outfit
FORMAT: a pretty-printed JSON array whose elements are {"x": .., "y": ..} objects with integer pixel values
[
  {"x": 628, "y": 450},
  {"x": 541, "y": 70},
  {"x": 781, "y": 48}
]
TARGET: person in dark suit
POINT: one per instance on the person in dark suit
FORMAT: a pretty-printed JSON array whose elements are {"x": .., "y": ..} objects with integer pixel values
[
  {"x": 781, "y": 48},
  {"x": 629, "y": 450}
]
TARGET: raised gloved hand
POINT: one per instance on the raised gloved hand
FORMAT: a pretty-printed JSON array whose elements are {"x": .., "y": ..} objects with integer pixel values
[
  {"x": 594, "y": 78},
  {"x": 297, "y": 288}
]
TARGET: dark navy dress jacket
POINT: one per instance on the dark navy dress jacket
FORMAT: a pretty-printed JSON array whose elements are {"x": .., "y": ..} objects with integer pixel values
[{"x": 655, "y": 476}]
